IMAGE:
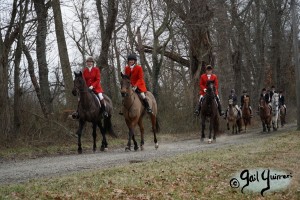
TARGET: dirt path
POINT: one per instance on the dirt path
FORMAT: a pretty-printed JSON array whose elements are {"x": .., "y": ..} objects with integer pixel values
[{"x": 21, "y": 171}]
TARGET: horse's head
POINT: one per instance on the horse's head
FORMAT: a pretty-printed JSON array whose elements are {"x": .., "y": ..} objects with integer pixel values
[
  {"x": 230, "y": 102},
  {"x": 262, "y": 102},
  {"x": 79, "y": 83},
  {"x": 126, "y": 88},
  {"x": 210, "y": 86},
  {"x": 275, "y": 100}
]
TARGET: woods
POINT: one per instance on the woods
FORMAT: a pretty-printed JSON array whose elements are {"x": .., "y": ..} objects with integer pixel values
[{"x": 251, "y": 44}]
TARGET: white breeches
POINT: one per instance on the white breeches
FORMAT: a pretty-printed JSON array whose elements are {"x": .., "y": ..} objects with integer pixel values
[{"x": 100, "y": 95}]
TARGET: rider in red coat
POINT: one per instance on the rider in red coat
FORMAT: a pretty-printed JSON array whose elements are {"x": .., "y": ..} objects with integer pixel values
[
  {"x": 92, "y": 77},
  {"x": 136, "y": 74},
  {"x": 203, "y": 80}
]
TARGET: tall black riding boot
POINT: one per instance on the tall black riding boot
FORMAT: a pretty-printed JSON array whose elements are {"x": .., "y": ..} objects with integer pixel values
[
  {"x": 197, "y": 109},
  {"x": 103, "y": 108},
  {"x": 146, "y": 103},
  {"x": 221, "y": 113}
]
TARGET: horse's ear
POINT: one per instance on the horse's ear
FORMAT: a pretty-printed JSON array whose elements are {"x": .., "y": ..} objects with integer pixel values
[{"x": 77, "y": 73}]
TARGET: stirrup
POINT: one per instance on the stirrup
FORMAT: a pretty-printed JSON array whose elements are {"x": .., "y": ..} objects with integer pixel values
[
  {"x": 149, "y": 110},
  {"x": 75, "y": 115}
]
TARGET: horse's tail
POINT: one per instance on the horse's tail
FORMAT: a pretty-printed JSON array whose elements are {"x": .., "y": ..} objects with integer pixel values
[
  {"x": 157, "y": 125},
  {"x": 108, "y": 127}
]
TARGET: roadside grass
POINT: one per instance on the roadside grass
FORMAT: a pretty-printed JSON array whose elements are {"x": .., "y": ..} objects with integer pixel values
[{"x": 200, "y": 175}]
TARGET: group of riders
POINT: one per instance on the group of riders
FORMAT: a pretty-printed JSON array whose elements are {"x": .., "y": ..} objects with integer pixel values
[
  {"x": 92, "y": 77},
  {"x": 209, "y": 76}
]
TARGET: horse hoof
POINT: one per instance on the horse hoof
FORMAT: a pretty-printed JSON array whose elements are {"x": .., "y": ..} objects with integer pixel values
[
  {"x": 127, "y": 149},
  {"x": 209, "y": 141},
  {"x": 79, "y": 151},
  {"x": 136, "y": 148},
  {"x": 105, "y": 149},
  {"x": 142, "y": 148},
  {"x": 214, "y": 140},
  {"x": 156, "y": 146}
]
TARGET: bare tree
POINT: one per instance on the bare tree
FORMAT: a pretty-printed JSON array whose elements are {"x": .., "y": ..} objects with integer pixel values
[
  {"x": 6, "y": 42},
  {"x": 106, "y": 28},
  {"x": 18, "y": 53},
  {"x": 41, "y": 9},
  {"x": 63, "y": 52},
  {"x": 296, "y": 58}
]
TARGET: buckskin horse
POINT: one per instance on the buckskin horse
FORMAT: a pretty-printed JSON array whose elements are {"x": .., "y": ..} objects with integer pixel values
[
  {"x": 232, "y": 117},
  {"x": 89, "y": 111},
  {"x": 265, "y": 114},
  {"x": 134, "y": 112},
  {"x": 209, "y": 110},
  {"x": 246, "y": 112},
  {"x": 275, "y": 110}
]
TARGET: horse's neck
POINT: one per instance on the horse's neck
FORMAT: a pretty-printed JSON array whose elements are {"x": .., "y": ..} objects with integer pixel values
[
  {"x": 86, "y": 98},
  {"x": 129, "y": 100}
]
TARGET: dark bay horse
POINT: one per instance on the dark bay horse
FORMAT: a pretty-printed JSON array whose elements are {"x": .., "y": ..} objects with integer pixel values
[
  {"x": 265, "y": 114},
  {"x": 134, "y": 111},
  {"x": 209, "y": 110},
  {"x": 89, "y": 111},
  {"x": 246, "y": 112}
]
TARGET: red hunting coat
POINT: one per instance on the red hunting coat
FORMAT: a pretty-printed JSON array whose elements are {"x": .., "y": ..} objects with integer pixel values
[
  {"x": 203, "y": 81},
  {"x": 93, "y": 78},
  {"x": 136, "y": 77}
]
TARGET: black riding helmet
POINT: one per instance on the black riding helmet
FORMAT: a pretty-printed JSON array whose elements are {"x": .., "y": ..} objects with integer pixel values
[{"x": 131, "y": 57}]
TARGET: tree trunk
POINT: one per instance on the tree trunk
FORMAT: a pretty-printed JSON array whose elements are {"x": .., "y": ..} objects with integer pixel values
[
  {"x": 106, "y": 36},
  {"x": 5, "y": 46},
  {"x": 42, "y": 13},
  {"x": 63, "y": 53},
  {"x": 296, "y": 59}
]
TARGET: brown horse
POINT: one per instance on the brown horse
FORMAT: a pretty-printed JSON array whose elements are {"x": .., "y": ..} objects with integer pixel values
[
  {"x": 89, "y": 111},
  {"x": 232, "y": 117},
  {"x": 134, "y": 111},
  {"x": 265, "y": 114},
  {"x": 209, "y": 110},
  {"x": 246, "y": 112},
  {"x": 282, "y": 113}
]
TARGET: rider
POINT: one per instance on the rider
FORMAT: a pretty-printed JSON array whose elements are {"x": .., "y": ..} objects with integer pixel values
[
  {"x": 281, "y": 100},
  {"x": 136, "y": 74},
  {"x": 272, "y": 91},
  {"x": 242, "y": 101},
  {"x": 91, "y": 75},
  {"x": 203, "y": 80},
  {"x": 265, "y": 95},
  {"x": 233, "y": 96}
]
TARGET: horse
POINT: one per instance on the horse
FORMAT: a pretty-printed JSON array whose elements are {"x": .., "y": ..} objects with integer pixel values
[
  {"x": 246, "y": 112},
  {"x": 134, "y": 111},
  {"x": 275, "y": 111},
  {"x": 282, "y": 113},
  {"x": 265, "y": 114},
  {"x": 232, "y": 117},
  {"x": 209, "y": 110},
  {"x": 89, "y": 110}
]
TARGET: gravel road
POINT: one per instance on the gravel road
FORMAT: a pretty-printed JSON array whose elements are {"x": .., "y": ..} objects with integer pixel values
[{"x": 24, "y": 170}]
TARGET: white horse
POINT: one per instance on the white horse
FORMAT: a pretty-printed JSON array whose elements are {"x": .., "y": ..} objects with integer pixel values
[{"x": 275, "y": 110}]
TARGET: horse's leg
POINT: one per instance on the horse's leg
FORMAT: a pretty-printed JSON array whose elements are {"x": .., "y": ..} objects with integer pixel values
[
  {"x": 104, "y": 141},
  {"x": 153, "y": 122},
  {"x": 79, "y": 132},
  {"x": 264, "y": 127},
  {"x": 203, "y": 128},
  {"x": 136, "y": 147},
  {"x": 94, "y": 134},
  {"x": 141, "y": 125},
  {"x": 210, "y": 130}
]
